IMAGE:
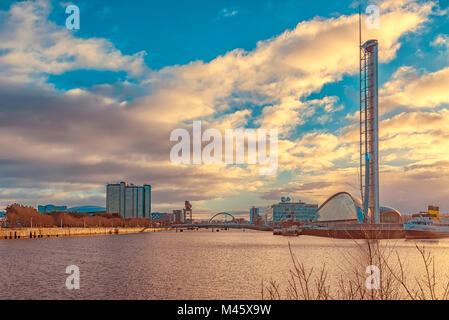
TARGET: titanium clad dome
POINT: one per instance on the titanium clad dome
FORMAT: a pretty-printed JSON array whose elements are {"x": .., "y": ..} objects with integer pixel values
[
  {"x": 340, "y": 207},
  {"x": 390, "y": 215}
]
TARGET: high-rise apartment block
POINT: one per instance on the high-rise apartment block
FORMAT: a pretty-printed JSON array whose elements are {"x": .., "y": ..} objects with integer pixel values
[
  {"x": 129, "y": 200},
  {"x": 254, "y": 217}
]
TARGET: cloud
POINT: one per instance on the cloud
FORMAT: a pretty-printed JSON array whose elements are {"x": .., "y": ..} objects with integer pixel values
[
  {"x": 279, "y": 74},
  {"x": 32, "y": 47},
  {"x": 409, "y": 89},
  {"x": 441, "y": 39},
  {"x": 54, "y": 140},
  {"x": 414, "y": 160},
  {"x": 50, "y": 141},
  {"x": 227, "y": 12}
]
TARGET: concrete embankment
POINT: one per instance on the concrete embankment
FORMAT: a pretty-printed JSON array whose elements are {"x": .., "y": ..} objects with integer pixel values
[{"x": 32, "y": 233}]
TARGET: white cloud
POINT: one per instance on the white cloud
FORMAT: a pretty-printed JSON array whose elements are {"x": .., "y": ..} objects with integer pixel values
[
  {"x": 409, "y": 89},
  {"x": 228, "y": 12},
  {"x": 441, "y": 39},
  {"x": 280, "y": 73},
  {"x": 82, "y": 136},
  {"x": 32, "y": 47}
]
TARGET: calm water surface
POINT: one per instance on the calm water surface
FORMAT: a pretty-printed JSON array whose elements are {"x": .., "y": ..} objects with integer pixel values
[{"x": 174, "y": 265}]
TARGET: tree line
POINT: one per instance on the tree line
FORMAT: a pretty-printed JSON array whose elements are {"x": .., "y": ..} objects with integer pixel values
[{"x": 24, "y": 216}]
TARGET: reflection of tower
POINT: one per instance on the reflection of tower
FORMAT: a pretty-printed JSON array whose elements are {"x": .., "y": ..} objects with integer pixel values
[
  {"x": 187, "y": 209},
  {"x": 369, "y": 129}
]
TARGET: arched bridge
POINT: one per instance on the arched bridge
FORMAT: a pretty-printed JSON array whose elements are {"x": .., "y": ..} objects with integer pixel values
[
  {"x": 223, "y": 214},
  {"x": 232, "y": 224}
]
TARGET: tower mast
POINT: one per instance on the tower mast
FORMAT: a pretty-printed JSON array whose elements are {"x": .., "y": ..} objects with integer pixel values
[{"x": 369, "y": 127}]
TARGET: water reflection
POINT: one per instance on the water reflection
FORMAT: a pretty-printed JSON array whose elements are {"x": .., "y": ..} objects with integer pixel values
[{"x": 169, "y": 265}]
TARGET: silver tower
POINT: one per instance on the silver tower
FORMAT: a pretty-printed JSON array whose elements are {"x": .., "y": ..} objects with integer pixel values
[{"x": 369, "y": 130}]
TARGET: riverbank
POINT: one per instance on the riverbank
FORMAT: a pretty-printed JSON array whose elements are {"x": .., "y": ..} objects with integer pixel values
[{"x": 35, "y": 233}]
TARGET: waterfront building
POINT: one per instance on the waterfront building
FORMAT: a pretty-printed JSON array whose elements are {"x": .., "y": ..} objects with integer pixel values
[
  {"x": 343, "y": 207},
  {"x": 49, "y": 208},
  {"x": 390, "y": 215},
  {"x": 2, "y": 218},
  {"x": 288, "y": 210},
  {"x": 178, "y": 216},
  {"x": 162, "y": 217},
  {"x": 254, "y": 216},
  {"x": 129, "y": 200},
  {"x": 241, "y": 220},
  {"x": 87, "y": 209},
  {"x": 434, "y": 211}
]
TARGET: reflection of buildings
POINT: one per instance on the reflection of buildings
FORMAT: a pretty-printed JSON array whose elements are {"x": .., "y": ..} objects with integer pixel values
[
  {"x": 49, "y": 208},
  {"x": 287, "y": 210},
  {"x": 129, "y": 201}
]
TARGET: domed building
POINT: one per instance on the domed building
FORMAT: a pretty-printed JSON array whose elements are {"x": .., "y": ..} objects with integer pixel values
[
  {"x": 341, "y": 207},
  {"x": 390, "y": 215},
  {"x": 344, "y": 207}
]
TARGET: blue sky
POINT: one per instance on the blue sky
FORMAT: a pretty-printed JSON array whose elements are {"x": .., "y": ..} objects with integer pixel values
[
  {"x": 138, "y": 69},
  {"x": 179, "y": 32}
]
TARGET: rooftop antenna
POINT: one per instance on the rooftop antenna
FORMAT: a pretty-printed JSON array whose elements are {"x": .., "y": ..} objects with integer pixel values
[
  {"x": 360, "y": 96},
  {"x": 360, "y": 25}
]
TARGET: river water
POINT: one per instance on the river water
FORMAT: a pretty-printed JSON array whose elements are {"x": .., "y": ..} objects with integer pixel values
[{"x": 177, "y": 265}]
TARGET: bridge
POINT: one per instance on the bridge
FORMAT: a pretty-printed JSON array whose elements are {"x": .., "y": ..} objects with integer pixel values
[
  {"x": 232, "y": 224},
  {"x": 225, "y": 214},
  {"x": 217, "y": 226}
]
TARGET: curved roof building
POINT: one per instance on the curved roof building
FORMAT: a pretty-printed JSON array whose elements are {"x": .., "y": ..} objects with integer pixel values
[
  {"x": 343, "y": 207},
  {"x": 390, "y": 215}
]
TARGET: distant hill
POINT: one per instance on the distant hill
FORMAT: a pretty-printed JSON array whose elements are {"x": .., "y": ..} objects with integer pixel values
[{"x": 87, "y": 209}]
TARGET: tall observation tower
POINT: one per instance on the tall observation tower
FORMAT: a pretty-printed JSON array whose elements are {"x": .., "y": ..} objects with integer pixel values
[{"x": 369, "y": 130}]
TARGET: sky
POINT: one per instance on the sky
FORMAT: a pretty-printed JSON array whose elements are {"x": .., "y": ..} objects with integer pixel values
[{"x": 83, "y": 108}]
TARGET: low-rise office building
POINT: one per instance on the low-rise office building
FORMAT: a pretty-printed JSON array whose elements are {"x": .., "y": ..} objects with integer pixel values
[
  {"x": 49, "y": 208},
  {"x": 287, "y": 210}
]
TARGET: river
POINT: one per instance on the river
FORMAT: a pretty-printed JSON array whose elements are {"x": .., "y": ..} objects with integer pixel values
[{"x": 176, "y": 265}]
